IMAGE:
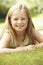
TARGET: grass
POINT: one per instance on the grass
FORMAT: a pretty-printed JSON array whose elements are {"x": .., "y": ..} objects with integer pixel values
[{"x": 34, "y": 57}]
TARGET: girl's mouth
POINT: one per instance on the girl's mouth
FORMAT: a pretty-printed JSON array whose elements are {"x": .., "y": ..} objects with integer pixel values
[{"x": 20, "y": 26}]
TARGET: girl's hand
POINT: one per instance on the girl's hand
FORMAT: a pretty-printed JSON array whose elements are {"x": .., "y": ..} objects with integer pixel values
[
  {"x": 25, "y": 48},
  {"x": 31, "y": 47},
  {"x": 39, "y": 45}
]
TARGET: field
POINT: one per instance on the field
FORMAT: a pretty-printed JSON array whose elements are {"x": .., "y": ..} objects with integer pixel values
[{"x": 34, "y": 57}]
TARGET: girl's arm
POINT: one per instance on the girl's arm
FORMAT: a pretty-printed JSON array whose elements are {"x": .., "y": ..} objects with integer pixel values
[
  {"x": 37, "y": 36},
  {"x": 5, "y": 40},
  {"x": 10, "y": 50},
  {"x": 18, "y": 49}
]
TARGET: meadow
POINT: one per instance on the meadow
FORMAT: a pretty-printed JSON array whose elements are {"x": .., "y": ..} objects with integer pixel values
[{"x": 34, "y": 57}]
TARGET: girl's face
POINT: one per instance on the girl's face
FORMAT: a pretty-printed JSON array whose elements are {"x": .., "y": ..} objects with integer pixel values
[{"x": 19, "y": 21}]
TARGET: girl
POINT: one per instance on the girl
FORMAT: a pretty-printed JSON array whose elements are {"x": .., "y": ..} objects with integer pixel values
[{"x": 19, "y": 33}]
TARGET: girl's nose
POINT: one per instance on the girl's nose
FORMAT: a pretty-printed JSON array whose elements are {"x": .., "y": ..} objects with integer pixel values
[{"x": 19, "y": 21}]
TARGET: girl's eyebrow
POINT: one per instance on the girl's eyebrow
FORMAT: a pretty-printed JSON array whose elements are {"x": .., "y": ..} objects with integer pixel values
[{"x": 17, "y": 17}]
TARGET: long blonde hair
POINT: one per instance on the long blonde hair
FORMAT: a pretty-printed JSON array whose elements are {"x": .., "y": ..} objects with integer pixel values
[{"x": 30, "y": 24}]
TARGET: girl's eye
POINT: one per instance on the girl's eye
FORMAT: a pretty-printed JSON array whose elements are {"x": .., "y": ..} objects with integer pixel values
[
  {"x": 23, "y": 18},
  {"x": 16, "y": 19}
]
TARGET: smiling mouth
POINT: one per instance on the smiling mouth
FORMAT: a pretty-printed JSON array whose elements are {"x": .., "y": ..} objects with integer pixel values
[{"x": 20, "y": 26}]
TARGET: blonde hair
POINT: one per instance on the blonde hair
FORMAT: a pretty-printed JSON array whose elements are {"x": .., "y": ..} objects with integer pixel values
[{"x": 8, "y": 25}]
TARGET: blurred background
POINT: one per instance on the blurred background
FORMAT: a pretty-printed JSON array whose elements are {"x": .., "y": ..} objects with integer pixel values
[{"x": 35, "y": 7}]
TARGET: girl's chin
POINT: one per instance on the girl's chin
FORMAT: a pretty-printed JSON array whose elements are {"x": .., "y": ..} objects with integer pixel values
[{"x": 19, "y": 30}]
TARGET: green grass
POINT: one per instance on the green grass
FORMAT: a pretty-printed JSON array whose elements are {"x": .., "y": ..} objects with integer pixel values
[{"x": 34, "y": 57}]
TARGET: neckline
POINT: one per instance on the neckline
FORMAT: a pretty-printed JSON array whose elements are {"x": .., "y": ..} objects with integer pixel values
[{"x": 25, "y": 42}]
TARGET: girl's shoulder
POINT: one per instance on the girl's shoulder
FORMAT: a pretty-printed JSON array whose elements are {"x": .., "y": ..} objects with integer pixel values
[{"x": 9, "y": 32}]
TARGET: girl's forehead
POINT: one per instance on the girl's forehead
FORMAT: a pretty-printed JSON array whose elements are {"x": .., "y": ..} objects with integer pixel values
[{"x": 20, "y": 12}]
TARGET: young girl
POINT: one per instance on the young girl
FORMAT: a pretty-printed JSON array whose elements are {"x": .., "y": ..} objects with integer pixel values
[{"x": 19, "y": 33}]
